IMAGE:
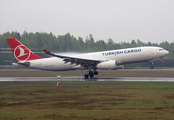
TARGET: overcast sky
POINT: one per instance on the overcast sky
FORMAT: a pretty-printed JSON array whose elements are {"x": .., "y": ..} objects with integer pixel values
[{"x": 120, "y": 20}]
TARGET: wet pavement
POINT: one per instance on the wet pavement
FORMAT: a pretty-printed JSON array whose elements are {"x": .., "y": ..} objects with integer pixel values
[{"x": 140, "y": 79}]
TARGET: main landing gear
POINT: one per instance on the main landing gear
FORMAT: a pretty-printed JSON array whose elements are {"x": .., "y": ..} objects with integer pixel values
[
  {"x": 151, "y": 66},
  {"x": 91, "y": 74}
]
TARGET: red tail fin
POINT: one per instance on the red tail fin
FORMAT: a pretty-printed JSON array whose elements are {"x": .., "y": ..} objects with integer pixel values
[{"x": 21, "y": 53}]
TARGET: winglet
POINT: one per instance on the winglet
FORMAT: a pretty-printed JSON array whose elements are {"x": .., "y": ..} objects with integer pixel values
[{"x": 46, "y": 51}]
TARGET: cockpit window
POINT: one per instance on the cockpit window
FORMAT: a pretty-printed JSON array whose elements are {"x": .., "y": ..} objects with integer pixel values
[{"x": 160, "y": 49}]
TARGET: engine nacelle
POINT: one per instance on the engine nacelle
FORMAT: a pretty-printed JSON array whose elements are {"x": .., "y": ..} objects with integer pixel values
[
  {"x": 108, "y": 65},
  {"x": 120, "y": 67}
]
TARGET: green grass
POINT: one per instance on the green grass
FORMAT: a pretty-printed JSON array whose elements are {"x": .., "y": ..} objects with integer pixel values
[{"x": 87, "y": 100}]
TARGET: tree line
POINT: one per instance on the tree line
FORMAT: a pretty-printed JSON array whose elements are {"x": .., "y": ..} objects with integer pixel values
[{"x": 68, "y": 43}]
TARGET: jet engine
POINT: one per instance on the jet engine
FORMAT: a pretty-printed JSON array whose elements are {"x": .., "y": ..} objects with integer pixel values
[{"x": 108, "y": 65}]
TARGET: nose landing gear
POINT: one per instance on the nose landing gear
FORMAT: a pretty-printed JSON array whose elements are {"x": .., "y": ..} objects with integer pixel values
[{"x": 151, "y": 66}]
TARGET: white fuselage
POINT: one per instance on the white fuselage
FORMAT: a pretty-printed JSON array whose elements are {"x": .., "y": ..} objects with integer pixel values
[{"x": 122, "y": 56}]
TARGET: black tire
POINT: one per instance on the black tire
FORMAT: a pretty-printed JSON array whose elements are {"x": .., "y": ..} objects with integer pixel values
[
  {"x": 151, "y": 67},
  {"x": 95, "y": 73},
  {"x": 91, "y": 75},
  {"x": 86, "y": 76}
]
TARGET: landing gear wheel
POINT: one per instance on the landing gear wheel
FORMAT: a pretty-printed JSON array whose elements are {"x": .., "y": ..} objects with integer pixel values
[
  {"x": 95, "y": 73},
  {"x": 86, "y": 76},
  {"x": 151, "y": 67},
  {"x": 91, "y": 74}
]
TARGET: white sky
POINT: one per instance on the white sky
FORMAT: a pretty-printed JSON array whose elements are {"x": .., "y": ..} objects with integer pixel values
[{"x": 120, "y": 20}]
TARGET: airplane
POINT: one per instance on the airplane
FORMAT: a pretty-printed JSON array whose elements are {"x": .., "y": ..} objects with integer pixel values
[{"x": 104, "y": 60}]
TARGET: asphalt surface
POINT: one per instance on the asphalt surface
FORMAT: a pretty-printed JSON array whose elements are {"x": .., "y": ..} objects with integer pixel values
[{"x": 141, "y": 79}]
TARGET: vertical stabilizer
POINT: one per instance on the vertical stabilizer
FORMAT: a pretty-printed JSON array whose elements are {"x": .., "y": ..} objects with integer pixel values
[{"x": 20, "y": 52}]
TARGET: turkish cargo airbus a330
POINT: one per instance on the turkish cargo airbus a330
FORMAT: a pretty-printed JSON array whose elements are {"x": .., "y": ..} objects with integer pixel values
[{"x": 106, "y": 60}]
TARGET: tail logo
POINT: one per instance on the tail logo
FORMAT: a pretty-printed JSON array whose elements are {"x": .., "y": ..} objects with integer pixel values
[{"x": 21, "y": 53}]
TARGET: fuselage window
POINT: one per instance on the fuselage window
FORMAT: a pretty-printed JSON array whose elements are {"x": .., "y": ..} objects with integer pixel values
[{"x": 160, "y": 49}]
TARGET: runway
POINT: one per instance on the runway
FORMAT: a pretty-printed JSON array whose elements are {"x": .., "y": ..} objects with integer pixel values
[{"x": 138, "y": 79}]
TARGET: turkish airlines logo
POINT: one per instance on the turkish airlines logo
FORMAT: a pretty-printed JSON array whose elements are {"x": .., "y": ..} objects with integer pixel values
[{"x": 21, "y": 53}]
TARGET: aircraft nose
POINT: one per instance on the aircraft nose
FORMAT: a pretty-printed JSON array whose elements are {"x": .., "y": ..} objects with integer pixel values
[{"x": 167, "y": 52}]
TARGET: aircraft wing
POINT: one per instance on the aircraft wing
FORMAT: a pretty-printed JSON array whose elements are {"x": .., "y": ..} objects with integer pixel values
[{"x": 85, "y": 62}]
